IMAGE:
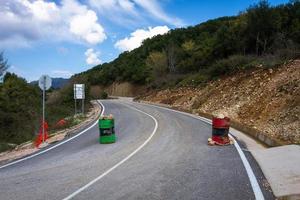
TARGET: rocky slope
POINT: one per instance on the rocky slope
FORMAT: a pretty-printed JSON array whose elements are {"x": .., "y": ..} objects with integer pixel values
[{"x": 267, "y": 100}]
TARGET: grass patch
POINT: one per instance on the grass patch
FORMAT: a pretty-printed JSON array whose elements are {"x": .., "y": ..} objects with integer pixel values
[{"x": 6, "y": 147}]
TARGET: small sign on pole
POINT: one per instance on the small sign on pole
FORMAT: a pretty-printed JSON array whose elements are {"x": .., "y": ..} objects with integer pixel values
[
  {"x": 45, "y": 83},
  {"x": 79, "y": 93}
]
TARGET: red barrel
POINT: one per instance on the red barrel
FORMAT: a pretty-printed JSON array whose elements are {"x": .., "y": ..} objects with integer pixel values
[
  {"x": 221, "y": 123},
  {"x": 220, "y": 130}
]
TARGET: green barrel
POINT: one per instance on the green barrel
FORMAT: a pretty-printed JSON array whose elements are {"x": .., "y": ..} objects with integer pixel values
[{"x": 107, "y": 131}]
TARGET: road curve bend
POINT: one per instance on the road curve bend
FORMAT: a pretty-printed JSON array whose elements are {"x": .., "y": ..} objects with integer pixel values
[{"x": 159, "y": 154}]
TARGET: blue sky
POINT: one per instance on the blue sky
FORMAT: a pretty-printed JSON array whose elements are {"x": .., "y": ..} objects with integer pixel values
[{"x": 64, "y": 37}]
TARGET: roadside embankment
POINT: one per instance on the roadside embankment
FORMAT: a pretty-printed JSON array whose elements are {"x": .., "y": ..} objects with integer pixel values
[{"x": 264, "y": 103}]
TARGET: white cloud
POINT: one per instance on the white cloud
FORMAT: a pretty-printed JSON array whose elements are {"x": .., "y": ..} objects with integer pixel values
[
  {"x": 26, "y": 21},
  {"x": 61, "y": 73},
  {"x": 137, "y": 37},
  {"x": 121, "y": 12},
  {"x": 16, "y": 70},
  {"x": 42, "y": 11},
  {"x": 153, "y": 7},
  {"x": 131, "y": 12},
  {"x": 92, "y": 57},
  {"x": 85, "y": 26},
  {"x": 120, "y": 5}
]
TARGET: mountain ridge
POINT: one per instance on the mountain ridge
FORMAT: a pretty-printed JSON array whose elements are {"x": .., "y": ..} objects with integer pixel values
[{"x": 57, "y": 83}]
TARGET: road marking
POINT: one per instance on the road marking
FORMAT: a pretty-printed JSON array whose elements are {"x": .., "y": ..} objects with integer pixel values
[
  {"x": 46, "y": 150},
  {"x": 253, "y": 181},
  {"x": 122, "y": 161}
]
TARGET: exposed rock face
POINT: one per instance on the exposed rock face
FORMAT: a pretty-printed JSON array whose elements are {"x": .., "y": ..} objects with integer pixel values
[
  {"x": 124, "y": 89},
  {"x": 264, "y": 99}
]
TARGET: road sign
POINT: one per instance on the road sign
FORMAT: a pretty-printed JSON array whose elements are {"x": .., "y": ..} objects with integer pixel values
[
  {"x": 79, "y": 92},
  {"x": 45, "y": 82}
]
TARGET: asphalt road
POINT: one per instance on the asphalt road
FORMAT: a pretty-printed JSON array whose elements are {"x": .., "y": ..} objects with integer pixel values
[{"x": 159, "y": 154}]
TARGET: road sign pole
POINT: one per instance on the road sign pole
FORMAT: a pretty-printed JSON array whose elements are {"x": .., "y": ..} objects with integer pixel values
[
  {"x": 79, "y": 94},
  {"x": 82, "y": 106},
  {"x": 43, "y": 123},
  {"x": 75, "y": 106},
  {"x": 45, "y": 83}
]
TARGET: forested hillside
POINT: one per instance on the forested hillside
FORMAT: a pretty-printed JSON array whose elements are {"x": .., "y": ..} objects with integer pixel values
[
  {"x": 21, "y": 108},
  {"x": 260, "y": 36}
]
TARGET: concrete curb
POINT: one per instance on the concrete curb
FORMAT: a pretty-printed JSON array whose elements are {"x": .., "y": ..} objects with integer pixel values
[{"x": 280, "y": 166}]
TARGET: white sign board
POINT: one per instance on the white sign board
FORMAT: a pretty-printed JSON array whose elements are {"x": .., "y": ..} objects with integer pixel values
[
  {"x": 45, "y": 82},
  {"x": 79, "y": 91}
]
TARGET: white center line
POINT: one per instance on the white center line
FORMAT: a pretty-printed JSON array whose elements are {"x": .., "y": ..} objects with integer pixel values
[
  {"x": 253, "y": 181},
  {"x": 119, "y": 163}
]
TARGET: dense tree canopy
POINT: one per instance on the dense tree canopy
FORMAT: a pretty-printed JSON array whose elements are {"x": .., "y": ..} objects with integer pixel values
[
  {"x": 19, "y": 109},
  {"x": 259, "y": 31}
]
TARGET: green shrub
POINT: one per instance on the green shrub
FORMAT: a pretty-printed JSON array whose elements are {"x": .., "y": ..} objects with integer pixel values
[
  {"x": 20, "y": 110},
  {"x": 231, "y": 65},
  {"x": 103, "y": 95},
  {"x": 270, "y": 61},
  {"x": 5, "y": 147},
  {"x": 195, "y": 80}
]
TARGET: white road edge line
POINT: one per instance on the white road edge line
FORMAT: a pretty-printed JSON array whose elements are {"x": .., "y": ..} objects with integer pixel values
[
  {"x": 122, "y": 161},
  {"x": 254, "y": 184},
  {"x": 46, "y": 150}
]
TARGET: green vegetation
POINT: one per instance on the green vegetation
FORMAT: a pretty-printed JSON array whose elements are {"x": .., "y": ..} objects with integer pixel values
[
  {"x": 262, "y": 35},
  {"x": 103, "y": 95},
  {"x": 21, "y": 108}
]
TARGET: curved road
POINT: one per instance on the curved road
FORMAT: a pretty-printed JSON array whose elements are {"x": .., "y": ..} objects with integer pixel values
[{"x": 159, "y": 154}]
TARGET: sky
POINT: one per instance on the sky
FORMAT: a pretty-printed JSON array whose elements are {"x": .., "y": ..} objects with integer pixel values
[{"x": 63, "y": 37}]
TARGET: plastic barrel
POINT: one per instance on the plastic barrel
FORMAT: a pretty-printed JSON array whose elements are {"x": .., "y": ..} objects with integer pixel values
[
  {"x": 107, "y": 131},
  {"x": 106, "y": 123},
  {"x": 220, "y": 126},
  {"x": 220, "y": 123},
  {"x": 220, "y": 131}
]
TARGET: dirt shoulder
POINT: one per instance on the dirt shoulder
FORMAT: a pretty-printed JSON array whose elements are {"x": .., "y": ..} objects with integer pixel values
[
  {"x": 264, "y": 102},
  {"x": 29, "y": 148}
]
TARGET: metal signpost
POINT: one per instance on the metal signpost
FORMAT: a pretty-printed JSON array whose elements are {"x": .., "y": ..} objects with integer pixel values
[
  {"x": 79, "y": 93},
  {"x": 45, "y": 83}
]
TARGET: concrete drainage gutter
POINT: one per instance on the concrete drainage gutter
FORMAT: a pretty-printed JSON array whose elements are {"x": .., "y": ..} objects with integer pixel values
[{"x": 280, "y": 166}]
